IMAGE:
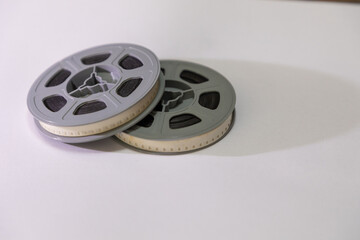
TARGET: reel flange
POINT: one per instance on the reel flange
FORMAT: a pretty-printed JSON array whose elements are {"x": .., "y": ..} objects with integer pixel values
[
  {"x": 195, "y": 111},
  {"x": 96, "y": 93}
]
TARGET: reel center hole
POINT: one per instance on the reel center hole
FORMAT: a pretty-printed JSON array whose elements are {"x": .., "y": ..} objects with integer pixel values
[
  {"x": 177, "y": 95},
  {"x": 93, "y": 80},
  {"x": 169, "y": 96}
]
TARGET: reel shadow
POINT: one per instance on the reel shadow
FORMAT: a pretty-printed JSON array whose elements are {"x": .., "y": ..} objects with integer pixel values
[
  {"x": 104, "y": 145},
  {"x": 280, "y": 107}
]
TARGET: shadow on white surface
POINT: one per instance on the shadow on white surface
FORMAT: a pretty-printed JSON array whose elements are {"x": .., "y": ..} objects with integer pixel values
[
  {"x": 107, "y": 145},
  {"x": 278, "y": 107}
]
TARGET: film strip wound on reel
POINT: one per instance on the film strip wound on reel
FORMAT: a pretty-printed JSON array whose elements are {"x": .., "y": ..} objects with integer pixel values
[
  {"x": 95, "y": 90},
  {"x": 195, "y": 111}
]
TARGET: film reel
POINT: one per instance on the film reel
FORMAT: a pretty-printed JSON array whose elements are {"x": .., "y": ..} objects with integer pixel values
[
  {"x": 97, "y": 92},
  {"x": 195, "y": 111}
]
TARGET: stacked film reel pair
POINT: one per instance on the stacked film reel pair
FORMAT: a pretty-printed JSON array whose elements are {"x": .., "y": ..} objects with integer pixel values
[{"x": 123, "y": 90}]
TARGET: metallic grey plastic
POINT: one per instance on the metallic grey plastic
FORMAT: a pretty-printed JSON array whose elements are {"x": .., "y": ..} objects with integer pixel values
[
  {"x": 184, "y": 99},
  {"x": 97, "y": 81}
]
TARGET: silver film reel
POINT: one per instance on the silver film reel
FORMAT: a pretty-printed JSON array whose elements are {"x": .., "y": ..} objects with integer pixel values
[
  {"x": 195, "y": 111},
  {"x": 97, "y": 92}
]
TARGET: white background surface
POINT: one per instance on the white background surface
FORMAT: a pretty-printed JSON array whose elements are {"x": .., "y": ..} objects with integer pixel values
[{"x": 289, "y": 169}]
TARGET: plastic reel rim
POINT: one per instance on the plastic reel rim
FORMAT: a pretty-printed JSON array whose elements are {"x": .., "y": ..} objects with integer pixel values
[{"x": 119, "y": 137}]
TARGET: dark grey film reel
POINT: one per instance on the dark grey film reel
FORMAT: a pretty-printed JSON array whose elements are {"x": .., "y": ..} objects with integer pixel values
[
  {"x": 195, "y": 111},
  {"x": 97, "y": 92}
]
